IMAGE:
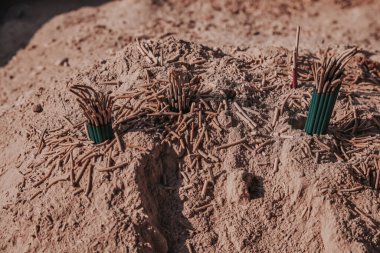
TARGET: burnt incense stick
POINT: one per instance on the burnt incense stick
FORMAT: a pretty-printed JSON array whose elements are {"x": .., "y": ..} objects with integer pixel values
[{"x": 295, "y": 60}]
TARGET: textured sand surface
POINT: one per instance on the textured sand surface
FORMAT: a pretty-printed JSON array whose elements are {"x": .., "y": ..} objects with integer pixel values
[{"x": 278, "y": 191}]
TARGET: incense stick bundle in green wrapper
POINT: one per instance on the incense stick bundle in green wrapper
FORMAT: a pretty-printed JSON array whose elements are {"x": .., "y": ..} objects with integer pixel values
[
  {"x": 99, "y": 134},
  {"x": 97, "y": 108},
  {"x": 328, "y": 79},
  {"x": 321, "y": 108}
]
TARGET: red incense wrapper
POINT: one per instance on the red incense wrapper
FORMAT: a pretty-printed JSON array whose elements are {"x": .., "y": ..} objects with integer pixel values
[{"x": 294, "y": 81}]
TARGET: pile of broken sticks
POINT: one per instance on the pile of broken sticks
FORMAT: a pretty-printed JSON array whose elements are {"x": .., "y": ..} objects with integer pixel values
[
  {"x": 66, "y": 155},
  {"x": 328, "y": 78},
  {"x": 359, "y": 152},
  {"x": 191, "y": 128},
  {"x": 175, "y": 107},
  {"x": 370, "y": 170},
  {"x": 188, "y": 122},
  {"x": 67, "y": 158}
]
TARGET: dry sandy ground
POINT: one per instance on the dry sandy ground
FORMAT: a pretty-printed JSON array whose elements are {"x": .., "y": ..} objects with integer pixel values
[{"x": 269, "y": 195}]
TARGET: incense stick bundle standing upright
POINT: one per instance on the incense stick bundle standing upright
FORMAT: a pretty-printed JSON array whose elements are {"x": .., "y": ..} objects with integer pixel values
[
  {"x": 179, "y": 93},
  {"x": 97, "y": 108},
  {"x": 295, "y": 59},
  {"x": 328, "y": 78}
]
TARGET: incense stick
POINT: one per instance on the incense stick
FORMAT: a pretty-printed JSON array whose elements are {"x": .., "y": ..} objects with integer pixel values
[{"x": 295, "y": 60}]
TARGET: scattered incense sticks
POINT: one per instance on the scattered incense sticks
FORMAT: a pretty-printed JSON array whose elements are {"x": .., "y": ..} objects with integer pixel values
[
  {"x": 204, "y": 189},
  {"x": 147, "y": 52},
  {"x": 42, "y": 180},
  {"x": 354, "y": 189},
  {"x": 201, "y": 208},
  {"x": 328, "y": 78},
  {"x": 244, "y": 117},
  {"x": 260, "y": 147},
  {"x": 119, "y": 143},
  {"x": 295, "y": 59},
  {"x": 64, "y": 177},
  {"x": 89, "y": 181},
  {"x": 35, "y": 194},
  {"x": 109, "y": 169},
  {"x": 81, "y": 172},
  {"x": 232, "y": 144},
  {"x": 275, "y": 116},
  {"x": 42, "y": 142},
  {"x": 78, "y": 191},
  {"x": 275, "y": 165},
  {"x": 97, "y": 108}
]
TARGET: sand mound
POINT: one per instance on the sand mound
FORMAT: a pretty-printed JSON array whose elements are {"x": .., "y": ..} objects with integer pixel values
[
  {"x": 158, "y": 202},
  {"x": 237, "y": 174}
]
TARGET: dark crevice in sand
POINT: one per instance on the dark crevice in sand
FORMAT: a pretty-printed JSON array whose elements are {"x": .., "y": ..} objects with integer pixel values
[{"x": 159, "y": 183}]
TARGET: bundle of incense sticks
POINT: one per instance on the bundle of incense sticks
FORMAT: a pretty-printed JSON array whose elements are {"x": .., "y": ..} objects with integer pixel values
[
  {"x": 179, "y": 93},
  {"x": 328, "y": 78},
  {"x": 97, "y": 108}
]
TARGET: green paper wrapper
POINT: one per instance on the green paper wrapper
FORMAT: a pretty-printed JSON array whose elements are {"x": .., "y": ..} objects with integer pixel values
[
  {"x": 99, "y": 134},
  {"x": 320, "y": 111}
]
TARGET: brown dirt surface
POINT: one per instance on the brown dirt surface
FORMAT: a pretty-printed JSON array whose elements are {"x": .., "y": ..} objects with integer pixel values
[{"x": 235, "y": 173}]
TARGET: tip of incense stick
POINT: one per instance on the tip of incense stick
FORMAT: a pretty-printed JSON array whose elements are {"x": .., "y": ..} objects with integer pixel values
[
  {"x": 295, "y": 57},
  {"x": 298, "y": 37}
]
